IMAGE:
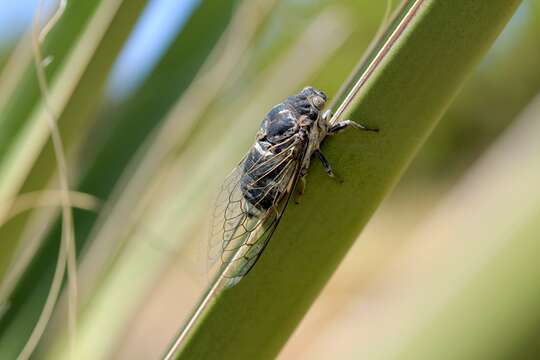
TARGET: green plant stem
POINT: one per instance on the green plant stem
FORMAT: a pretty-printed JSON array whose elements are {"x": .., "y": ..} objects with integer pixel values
[{"x": 404, "y": 97}]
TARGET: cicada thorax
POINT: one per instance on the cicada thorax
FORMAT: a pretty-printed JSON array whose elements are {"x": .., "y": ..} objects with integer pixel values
[
  {"x": 273, "y": 161},
  {"x": 270, "y": 163}
]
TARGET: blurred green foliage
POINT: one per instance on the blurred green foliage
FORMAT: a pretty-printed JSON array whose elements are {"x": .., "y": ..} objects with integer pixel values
[
  {"x": 104, "y": 135},
  {"x": 507, "y": 80}
]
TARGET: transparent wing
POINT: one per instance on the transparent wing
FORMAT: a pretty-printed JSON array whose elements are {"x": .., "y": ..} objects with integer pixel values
[
  {"x": 243, "y": 233},
  {"x": 250, "y": 251},
  {"x": 230, "y": 214},
  {"x": 239, "y": 232}
]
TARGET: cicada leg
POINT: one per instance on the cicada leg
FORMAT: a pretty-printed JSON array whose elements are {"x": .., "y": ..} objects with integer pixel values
[
  {"x": 341, "y": 125},
  {"x": 325, "y": 163},
  {"x": 332, "y": 129}
]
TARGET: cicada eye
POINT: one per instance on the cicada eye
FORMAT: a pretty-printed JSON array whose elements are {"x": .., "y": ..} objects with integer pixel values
[{"x": 318, "y": 102}]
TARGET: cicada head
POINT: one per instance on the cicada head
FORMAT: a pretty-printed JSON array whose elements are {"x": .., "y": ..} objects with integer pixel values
[{"x": 316, "y": 97}]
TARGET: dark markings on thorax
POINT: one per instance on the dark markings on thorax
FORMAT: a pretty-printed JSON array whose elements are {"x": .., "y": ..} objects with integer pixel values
[{"x": 271, "y": 162}]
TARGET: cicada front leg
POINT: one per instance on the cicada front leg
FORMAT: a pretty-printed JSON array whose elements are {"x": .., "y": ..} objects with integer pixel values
[
  {"x": 332, "y": 129},
  {"x": 341, "y": 125}
]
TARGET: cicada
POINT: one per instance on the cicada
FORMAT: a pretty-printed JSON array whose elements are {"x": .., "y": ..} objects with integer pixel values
[{"x": 254, "y": 196}]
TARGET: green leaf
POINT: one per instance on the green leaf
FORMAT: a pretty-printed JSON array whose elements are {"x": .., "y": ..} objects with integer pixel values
[
  {"x": 16, "y": 115},
  {"x": 24, "y": 131},
  {"x": 404, "y": 97},
  {"x": 175, "y": 202},
  {"x": 146, "y": 108},
  {"x": 75, "y": 94}
]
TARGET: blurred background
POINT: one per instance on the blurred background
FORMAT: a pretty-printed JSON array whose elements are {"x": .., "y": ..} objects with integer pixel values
[{"x": 157, "y": 100}]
